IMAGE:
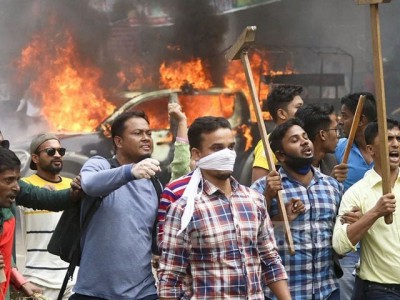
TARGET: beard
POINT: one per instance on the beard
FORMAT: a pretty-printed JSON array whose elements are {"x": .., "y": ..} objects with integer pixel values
[
  {"x": 53, "y": 169},
  {"x": 301, "y": 165}
]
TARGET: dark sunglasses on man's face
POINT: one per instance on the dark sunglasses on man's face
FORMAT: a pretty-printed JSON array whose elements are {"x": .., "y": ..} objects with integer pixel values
[
  {"x": 52, "y": 151},
  {"x": 5, "y": 144}
]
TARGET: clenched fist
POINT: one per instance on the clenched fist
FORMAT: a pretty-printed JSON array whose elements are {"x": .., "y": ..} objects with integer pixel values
[{"x": 145, "y": 168}]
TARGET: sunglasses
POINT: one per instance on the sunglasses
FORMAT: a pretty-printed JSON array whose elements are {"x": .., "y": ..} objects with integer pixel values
[
  {"x": 52, "y": 151},
  {"x": 5, "y": 144}
]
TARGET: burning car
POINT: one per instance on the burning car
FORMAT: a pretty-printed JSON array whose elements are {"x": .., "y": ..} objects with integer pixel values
[{"x": 228, "y": 103}]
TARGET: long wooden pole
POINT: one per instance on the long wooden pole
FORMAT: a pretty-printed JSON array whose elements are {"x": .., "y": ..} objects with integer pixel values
[
  {"x": 381, "y": 103},
  {"x": 380, "y": 95},
  {"x": 239, "y": 51},
  {"x": 267, "y": 148}
]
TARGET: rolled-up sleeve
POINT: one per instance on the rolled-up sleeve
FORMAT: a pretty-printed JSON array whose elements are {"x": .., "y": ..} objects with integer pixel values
[{"x": 340, "y": 241}]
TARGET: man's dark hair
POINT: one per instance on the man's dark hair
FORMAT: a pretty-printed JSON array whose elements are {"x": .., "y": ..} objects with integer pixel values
[
  {"x": 369, "y": 108},
  {"x": 118, "y": 126},
  {"x": 371, "y": 131},
  {"x": 280, "y": 97},
  {"x": 8, "y": 160},
  {"x": 276, "y": 136},
  {"x": 206, "y": 124},
  {"x": 315, "y": 117}
]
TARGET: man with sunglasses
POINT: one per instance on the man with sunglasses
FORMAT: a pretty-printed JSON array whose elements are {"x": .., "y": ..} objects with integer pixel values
[{"x": 42, "y": 268}]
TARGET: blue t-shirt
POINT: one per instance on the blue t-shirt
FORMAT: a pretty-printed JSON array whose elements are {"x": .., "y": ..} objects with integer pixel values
[
  {"x": 356, "y": 163},
  {"x": 116, "y": 255}
]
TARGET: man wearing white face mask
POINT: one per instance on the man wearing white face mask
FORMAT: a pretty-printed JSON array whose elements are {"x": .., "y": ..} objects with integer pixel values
[{"x": 216, "y": 230}]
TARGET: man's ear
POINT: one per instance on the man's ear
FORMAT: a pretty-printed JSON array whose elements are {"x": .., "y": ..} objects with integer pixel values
[
  {"x": 35, "y": 158},
  {"x": 282, "y": 114},
  {"x": 322, "y": 135},
  {"x": 279, "y": 156},
  {"x": 363, "y": 121},
  {"x": 370, "y": 150},
  {"x": 195, "y": 154},
  {"x": 117, "y": 141}
]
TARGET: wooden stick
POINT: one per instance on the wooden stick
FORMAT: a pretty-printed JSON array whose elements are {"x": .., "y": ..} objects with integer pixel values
[
  {"x": 381, "y": 103},
  {"x": 268, "y": 152},
  {"x": 240, "y": 47},
  {"x": 380, "y": 96},
  {"x": 353, "y": 130}
]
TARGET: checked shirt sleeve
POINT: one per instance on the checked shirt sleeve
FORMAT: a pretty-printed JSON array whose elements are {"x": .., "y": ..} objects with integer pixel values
[
  {"x": 174, "y": 255},
  {"x": 271, "y": 263}
]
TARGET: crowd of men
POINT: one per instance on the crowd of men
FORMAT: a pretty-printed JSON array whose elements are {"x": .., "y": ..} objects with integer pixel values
[{"x": 206, "y": 236}]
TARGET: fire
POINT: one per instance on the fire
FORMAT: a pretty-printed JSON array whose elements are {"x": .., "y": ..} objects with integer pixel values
[
  {"x": 194, "y": 72},
  {"x": 246, "y": 131},
  {"x": 66, "y": 88},
  {"x": 236, "y": 78}
]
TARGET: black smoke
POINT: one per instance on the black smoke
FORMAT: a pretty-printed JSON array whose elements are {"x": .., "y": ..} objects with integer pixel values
[{"x": 198, "y": 32}]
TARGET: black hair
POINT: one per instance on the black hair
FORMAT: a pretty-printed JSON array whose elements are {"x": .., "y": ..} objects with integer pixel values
[
  {"x": 280, "y": 97},
  {"x": 369, "y": 108},
  {"x": 205, "y": 124},
  {"x": 371, "y": 131},
  {"x": 315, "y": 117},
  {"x": 8, "y": 160},
  {"x": 276, "y": 136},
  {"x": 118, "y": 126}
]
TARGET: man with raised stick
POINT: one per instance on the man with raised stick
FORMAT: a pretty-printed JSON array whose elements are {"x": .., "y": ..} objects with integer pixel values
[{"x": 380, "y": 258}]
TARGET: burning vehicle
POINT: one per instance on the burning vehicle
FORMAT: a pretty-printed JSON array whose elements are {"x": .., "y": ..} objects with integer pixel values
[{"x": 228, "y": 103}]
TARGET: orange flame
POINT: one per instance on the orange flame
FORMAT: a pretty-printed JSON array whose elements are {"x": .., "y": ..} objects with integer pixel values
[
  {"x": 236, "y": 78},
  {"x": 194, "y": 72},
  {"x": 68, "y": 89}
]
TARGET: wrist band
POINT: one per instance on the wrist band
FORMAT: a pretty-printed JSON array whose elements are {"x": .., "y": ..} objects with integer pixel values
[{"x": 182, "y": 140}]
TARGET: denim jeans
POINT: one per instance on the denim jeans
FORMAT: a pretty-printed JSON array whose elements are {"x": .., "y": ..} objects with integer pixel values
[
  {"x": 346, "y": 283},
  {"x": 377, "y": 291},
  {"x": 358, "y": 292}
]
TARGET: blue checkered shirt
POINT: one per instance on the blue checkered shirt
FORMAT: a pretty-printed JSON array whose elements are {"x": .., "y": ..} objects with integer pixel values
[{"x": 310, "y": 271}]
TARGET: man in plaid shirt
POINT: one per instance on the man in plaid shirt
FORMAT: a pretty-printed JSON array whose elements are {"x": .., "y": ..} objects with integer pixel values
[
  {"x": 312, "y": 201},
  {"x": 219, "y": 229}
]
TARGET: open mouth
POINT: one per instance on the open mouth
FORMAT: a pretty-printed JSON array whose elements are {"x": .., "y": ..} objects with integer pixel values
[
  {"x": 394, "y": 156},
  {"x": 12, "y": 199},
  {"x": 146, "y": 148},
  {"x": 307, "y": 151}
]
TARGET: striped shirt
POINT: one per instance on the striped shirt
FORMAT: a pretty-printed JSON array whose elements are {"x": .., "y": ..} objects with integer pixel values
[
  {"x": 229, "y": 246},
  {"x": 41, "y": 267},
  {"x": 310, "y": 270},
  {"x": 172, "y": 192}
]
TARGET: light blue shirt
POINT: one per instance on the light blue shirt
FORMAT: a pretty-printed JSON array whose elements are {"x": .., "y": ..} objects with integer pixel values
[
  {"x": 116, "y": 255},
  {"x": 356, "y": 163}
]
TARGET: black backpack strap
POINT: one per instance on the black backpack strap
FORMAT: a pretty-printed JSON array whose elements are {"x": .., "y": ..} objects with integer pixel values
[
  {"x": 158, "y": 187},
  {"x": 76, "y": 256}
]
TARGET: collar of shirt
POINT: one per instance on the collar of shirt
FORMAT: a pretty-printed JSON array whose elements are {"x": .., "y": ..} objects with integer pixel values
[
  {"x": 211, "y": 189},
  {"x": 375, "y": 178},
  {"x": 317, "y": 175}
]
